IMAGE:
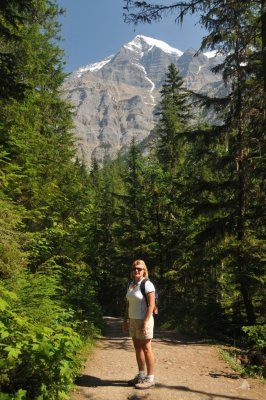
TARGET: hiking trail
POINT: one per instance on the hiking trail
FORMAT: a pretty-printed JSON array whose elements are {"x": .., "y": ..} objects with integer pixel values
[{"x": 185, "y": 369}]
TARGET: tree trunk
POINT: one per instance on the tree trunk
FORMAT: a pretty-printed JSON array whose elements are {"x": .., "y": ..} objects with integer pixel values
[
  {"x": 241, "y": 201},
  {"x": 159, "y": 239}
]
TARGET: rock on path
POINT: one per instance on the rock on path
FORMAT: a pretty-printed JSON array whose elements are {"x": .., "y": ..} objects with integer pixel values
[{"x": 185, "y": 370}]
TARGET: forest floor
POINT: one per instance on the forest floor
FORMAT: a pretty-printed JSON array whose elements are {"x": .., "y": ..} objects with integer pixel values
[{"x": 186, "y": 369}]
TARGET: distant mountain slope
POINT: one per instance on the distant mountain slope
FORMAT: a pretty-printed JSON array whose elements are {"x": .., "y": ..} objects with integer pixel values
[{"x": 114, "y": 99}]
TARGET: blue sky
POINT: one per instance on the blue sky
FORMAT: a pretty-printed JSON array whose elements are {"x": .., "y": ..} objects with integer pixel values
[{"x": 94, "y": 29}]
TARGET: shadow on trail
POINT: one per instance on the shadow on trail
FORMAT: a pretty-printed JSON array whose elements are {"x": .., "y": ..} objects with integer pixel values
[
  {"x": 207, "y": 394},
  {"x": 115, "y": 338},
  {"x": 93, "y": 381},
  {"x": 122, "y": 343}
]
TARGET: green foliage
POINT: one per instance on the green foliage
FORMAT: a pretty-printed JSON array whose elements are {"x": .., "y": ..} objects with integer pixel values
[
  {"x": 79, "y": 292},
  {"x": 38, "y": 353},
  {"x": 48, "y": 300},
  {"x": 204, "y": 221},
  {"x": 230, "y": 357},
  {"x": 256, "y": 336},
  {"x": 192, "y": 209},
  {"x": 12, "y": 257},
  {"x": 134, "y": 209},
  {"x": 38, "y": 296},
  {"x": 174, "y": 118},
  {"x": 19, "y": 395}
]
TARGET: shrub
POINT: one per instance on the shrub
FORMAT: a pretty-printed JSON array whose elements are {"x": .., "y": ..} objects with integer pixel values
[
  {"x": 256, "y": 336},
  {"x": 36, "y": 361}
]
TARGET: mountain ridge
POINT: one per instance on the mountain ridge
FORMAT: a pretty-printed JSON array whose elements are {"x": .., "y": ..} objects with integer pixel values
[{"x": 114, "y": 99}]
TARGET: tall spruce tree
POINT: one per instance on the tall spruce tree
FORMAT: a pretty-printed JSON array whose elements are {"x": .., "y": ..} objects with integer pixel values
[
  {"x": 237, "y": 31},
  {"x": 36, "y": 135},
  {"x": 13, "y": 14},
  {"x": 134, "y": 232},
  {"x": 174, "y": 117},
  {"x": 102, "y": 234},
  {"x": 44, "y": 196},
  {"x": 238, "y": 35},
  {"x": 172, "y": 146}
]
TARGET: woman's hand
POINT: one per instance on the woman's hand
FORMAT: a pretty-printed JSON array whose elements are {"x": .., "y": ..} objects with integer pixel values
[{"x": 144, "y": 329}]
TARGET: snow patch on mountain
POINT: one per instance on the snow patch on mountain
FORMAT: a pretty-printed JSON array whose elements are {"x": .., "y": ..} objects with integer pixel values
[
  {"x": 93, "y": 67},
  {"x": 149, "y": 80},
  {"x": 140, "y": 41},
  {"x": 212, "y": 54}
]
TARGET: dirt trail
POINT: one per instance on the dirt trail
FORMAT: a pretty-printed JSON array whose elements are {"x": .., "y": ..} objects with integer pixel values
[{"x": 185, "y": 370}]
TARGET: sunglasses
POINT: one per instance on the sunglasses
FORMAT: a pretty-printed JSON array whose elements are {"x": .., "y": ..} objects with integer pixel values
[{"x": 137, "y": 269}]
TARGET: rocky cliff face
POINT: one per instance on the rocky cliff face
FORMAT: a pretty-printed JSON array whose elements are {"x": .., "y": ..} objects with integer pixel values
[{"x": 114, "y": 99}]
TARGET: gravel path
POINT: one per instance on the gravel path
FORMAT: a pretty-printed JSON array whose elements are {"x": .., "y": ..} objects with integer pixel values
[{"x": 185, "y": 370}]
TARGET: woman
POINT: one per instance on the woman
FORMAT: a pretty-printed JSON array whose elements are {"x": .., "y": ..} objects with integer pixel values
[{"x": 139, "y": 321}]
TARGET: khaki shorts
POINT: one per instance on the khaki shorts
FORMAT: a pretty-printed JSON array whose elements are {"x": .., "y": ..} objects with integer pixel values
[{"x": 135, "y": 328}]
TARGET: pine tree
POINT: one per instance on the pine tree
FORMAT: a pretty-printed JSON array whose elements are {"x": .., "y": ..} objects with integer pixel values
[
  {"x": 47, "y": 290},
  {"x": 174, "y": 117},
  {"x": 36, "y": 134},
  {"x": 172, "y": 147},
  {"x": 237, "y": 38},
  {"x": 230, "y": 221},
  {"x": 133, "y": 210}
]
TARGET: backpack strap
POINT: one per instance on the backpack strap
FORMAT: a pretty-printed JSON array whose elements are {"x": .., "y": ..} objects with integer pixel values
[{"x": 142, "y": 288}]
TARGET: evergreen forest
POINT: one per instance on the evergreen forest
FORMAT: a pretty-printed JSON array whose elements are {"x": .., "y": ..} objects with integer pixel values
[{"x": 193, "y": 208}]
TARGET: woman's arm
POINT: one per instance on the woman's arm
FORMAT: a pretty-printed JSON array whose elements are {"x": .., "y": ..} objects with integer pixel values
[{"x": 150, "y": 308}]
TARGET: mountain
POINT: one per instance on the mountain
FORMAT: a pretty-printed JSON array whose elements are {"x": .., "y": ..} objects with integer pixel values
[{"x": 114, "y": 99}]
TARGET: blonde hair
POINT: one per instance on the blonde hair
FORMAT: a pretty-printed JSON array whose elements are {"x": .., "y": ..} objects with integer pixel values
[{"x": 142, "y": 263}]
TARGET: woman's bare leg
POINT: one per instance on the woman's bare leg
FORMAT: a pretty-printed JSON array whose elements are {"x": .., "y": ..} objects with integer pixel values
[
  {"x": 140, "y": 355},
  {"x": 149, "y": 356}
]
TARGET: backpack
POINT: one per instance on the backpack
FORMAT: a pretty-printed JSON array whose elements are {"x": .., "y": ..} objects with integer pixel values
[{"x": 142, "y": 288}]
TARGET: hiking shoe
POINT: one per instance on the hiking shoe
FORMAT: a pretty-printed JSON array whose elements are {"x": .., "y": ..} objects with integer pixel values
[
  {"x": 134, "y": 381},
  {"x": 145, "y": 384}
]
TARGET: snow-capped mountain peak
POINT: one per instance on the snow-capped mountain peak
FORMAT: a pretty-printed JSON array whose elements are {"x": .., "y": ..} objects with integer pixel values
[
  {"x": 144, "y": 43},
  {"x": 115, "y": 98}
]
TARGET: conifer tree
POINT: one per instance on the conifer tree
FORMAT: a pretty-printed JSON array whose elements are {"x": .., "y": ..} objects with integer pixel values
[
  {"x": 102, "y": 248},
  {"x": 45, "y": 284},
  {"x": 237, "y": 31},
  {"x": 171, "y": 151},
  {"x": 36, "y": 135},
  {"x": 134, "y": 207},
  {"x": 12, "y": 257},
  {"x": 174, "y": 117},
  {"x": 237, "y": 23}
]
